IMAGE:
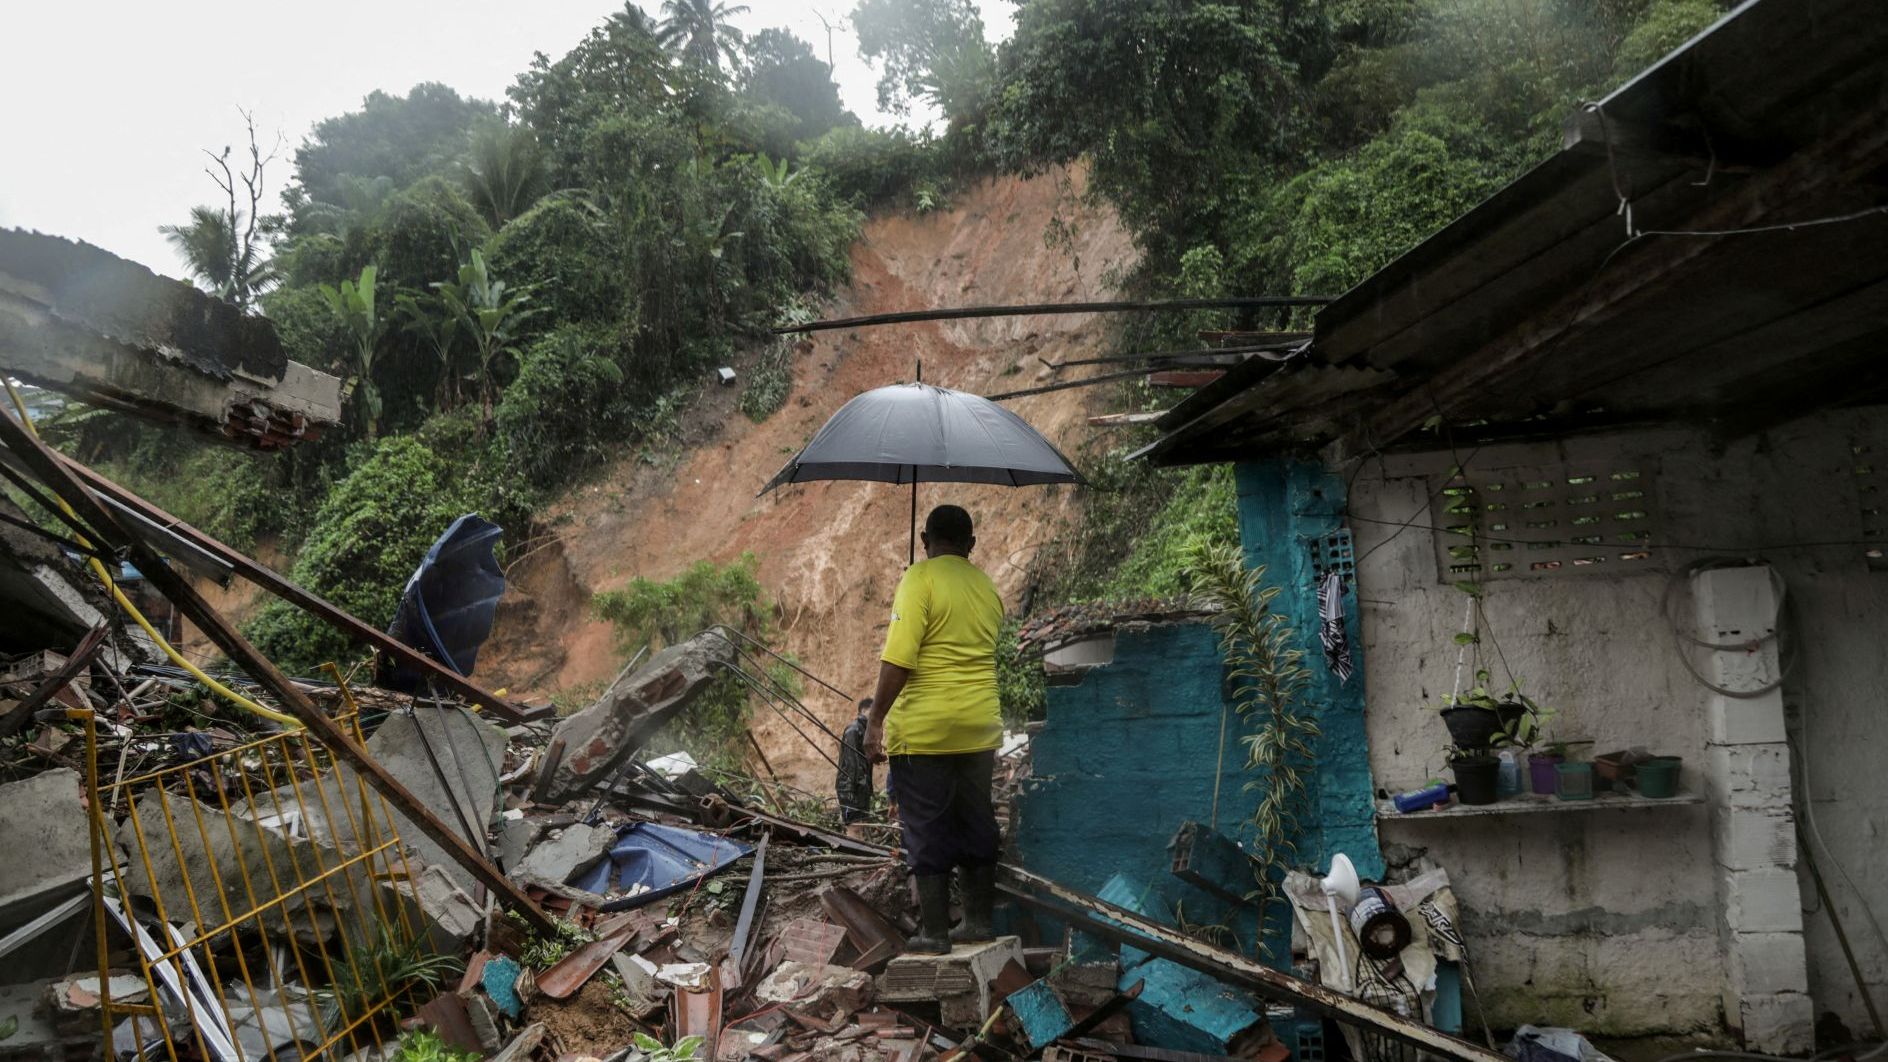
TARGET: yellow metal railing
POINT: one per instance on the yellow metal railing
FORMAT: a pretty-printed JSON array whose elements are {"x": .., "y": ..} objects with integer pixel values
[{"x": 261, "y": 896}]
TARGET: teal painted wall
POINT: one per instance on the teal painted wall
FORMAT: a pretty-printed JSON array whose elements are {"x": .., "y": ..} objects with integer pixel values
[
  {"x": 1128, "y": 755},
  {"x": 1123, "y": 759},
  {"x": 1284, "y": 507}
]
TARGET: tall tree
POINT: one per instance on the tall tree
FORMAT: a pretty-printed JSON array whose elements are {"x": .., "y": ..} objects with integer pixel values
[
  {"x": 402, "y": 138},
  {"x": 506, "y": 174},
  {"x": 223, "y": 247},
  {"x": 428, "y": 318},
  {"x": 932, "y": 51},
  {"x": 701, "y": 32},
  {"x": 619, "y": 68},
  {"x": 782, "y": 69}
]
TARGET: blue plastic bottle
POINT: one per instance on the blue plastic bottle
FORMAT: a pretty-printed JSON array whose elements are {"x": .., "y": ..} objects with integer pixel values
[{"x": 1421, "y": 798}]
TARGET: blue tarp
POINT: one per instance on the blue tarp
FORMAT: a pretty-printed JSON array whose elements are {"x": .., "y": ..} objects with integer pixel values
[
  {"x": 665, "y": 859},
  {"x": 446, "y": 610}
]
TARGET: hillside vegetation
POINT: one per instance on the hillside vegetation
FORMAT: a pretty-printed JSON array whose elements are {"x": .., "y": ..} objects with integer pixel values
[{"x": 521, "y": 293}]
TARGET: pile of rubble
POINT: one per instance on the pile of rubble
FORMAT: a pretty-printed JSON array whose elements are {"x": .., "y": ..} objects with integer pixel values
[{"x": 649, "y": 904}]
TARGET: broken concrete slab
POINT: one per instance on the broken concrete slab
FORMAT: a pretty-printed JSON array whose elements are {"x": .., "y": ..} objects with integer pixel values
[
  {"x": 1187, "y": 1010},
  {"x": 962, "y": 982},
  {"x": 433, "y": 900},
  {"x": 822, "y": 989},
  {"x": 45, "y": 816},
  {"x": 202, "y": 864},
  {"x": 110, "y": 332},
  {"x": 598, "y": 739},
  {"x": 562, "y": 855},
  {"x": 468, "y": 749}
]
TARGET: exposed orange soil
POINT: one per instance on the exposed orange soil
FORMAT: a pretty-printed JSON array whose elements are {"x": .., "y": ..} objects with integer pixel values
[{"x": 832, "y": 552}]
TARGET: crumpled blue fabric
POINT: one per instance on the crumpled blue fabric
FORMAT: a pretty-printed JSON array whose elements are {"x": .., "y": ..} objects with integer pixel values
[{"x": 664, "y": 859}]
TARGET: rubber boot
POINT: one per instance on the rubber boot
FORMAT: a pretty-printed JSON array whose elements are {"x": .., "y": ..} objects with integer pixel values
[
  {"x": 934, "y": 916},
  {"x": 979, "y": 889}
]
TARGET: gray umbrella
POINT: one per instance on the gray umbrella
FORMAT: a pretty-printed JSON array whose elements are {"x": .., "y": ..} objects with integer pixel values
[{"x": 916, "y": 433}]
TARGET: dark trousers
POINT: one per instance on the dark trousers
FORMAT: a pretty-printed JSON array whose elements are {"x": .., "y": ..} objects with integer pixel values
[{"x": 944, "y": 807}]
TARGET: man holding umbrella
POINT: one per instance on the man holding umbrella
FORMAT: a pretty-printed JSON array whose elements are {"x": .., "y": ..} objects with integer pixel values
[{"x": 935, "y": 715}]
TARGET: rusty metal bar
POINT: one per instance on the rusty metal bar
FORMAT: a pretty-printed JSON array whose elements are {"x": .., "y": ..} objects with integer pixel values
[
  {"x": 294, "y": 594},
  {"x": 48, "y": 468},
  {"x": 959, "y": 313}
]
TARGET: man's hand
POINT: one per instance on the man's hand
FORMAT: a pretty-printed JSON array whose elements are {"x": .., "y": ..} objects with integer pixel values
[{"x": 891, "y": 682}]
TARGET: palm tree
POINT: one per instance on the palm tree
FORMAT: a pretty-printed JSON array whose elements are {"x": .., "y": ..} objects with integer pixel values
[
  {"x": 507, "y": 173},
  {"x": 700, "y": 31},
  {"x": 214, "y": 250}
]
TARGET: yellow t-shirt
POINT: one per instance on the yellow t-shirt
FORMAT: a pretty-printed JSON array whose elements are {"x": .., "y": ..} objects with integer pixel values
[{"x": 944, "y": 624}]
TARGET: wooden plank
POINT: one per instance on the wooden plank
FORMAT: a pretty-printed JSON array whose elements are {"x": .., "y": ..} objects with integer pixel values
[
  {"x": 46, "y": 466},
  {"x": 283, "y": 588}
]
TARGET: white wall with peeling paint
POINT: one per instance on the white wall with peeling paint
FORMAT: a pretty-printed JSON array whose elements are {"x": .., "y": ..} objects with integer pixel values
[{"x": 1608, "y": 920}]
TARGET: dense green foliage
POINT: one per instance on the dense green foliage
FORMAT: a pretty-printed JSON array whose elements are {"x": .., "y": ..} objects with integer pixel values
[
  {"x": 369, "y": 533},
  {"x": 649, "y": 614},
  {"x": 511, "y": 295},
  {"x": 1282, "y": 147}
]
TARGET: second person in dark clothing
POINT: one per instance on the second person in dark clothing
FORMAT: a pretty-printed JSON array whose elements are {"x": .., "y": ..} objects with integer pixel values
[{"x": 854, "y": 782}]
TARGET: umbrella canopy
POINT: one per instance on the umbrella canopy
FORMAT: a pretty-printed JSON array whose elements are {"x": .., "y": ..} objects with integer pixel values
[{"x": 916, "y": 433}]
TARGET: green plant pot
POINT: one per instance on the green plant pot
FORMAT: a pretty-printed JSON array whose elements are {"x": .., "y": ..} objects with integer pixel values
[
  {"x": 1573, "y": 781},
  {"x": 1658, "y": 777}
]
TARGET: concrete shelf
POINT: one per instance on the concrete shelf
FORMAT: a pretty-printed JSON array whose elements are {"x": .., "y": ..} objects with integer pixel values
[{"x": 1529, "y": 803}]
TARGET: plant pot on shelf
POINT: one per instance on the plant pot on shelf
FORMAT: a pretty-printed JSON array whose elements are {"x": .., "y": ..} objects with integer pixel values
[
  {"x": 1474, "y": 727},
  {"x": 1541, "y": 772},
  {"x": 1658, "y": 777},
  {"x": 1614, "y": 770},
  {"x": 1573, "y": 781},
  {"x": 1475, "y": 779}
]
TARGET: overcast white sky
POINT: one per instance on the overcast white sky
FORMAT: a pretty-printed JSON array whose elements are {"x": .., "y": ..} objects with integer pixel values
[{"x": 105, "y": 105}]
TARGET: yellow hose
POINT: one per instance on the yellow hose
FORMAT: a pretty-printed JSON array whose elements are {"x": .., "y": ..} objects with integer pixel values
[{"x": 104, "y": 576}]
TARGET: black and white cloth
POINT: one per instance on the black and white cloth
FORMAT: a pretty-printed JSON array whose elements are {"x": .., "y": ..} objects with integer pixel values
[{"x": 1331, "y": 629}]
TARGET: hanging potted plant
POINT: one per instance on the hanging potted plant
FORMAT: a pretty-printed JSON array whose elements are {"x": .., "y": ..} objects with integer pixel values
[{"x": 1478, "y": 719}]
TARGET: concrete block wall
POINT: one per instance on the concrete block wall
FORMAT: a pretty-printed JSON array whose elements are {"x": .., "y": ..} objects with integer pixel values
[
  {"x": 1746, "y": 766},
  {"x": 1124, "y": 758},
  {"x": 1610, "y": 921}
]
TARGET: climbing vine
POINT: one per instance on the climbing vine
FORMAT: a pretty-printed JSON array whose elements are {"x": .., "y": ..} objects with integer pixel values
[{"x": 1268, "y": 683}]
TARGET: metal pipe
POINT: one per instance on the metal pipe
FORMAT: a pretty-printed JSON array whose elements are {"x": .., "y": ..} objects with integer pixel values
[{"x": 1112, "y": 306}]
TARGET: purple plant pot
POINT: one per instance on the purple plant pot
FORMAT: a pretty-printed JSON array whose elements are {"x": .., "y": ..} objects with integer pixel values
[{"x": 1541, "y": 772}]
